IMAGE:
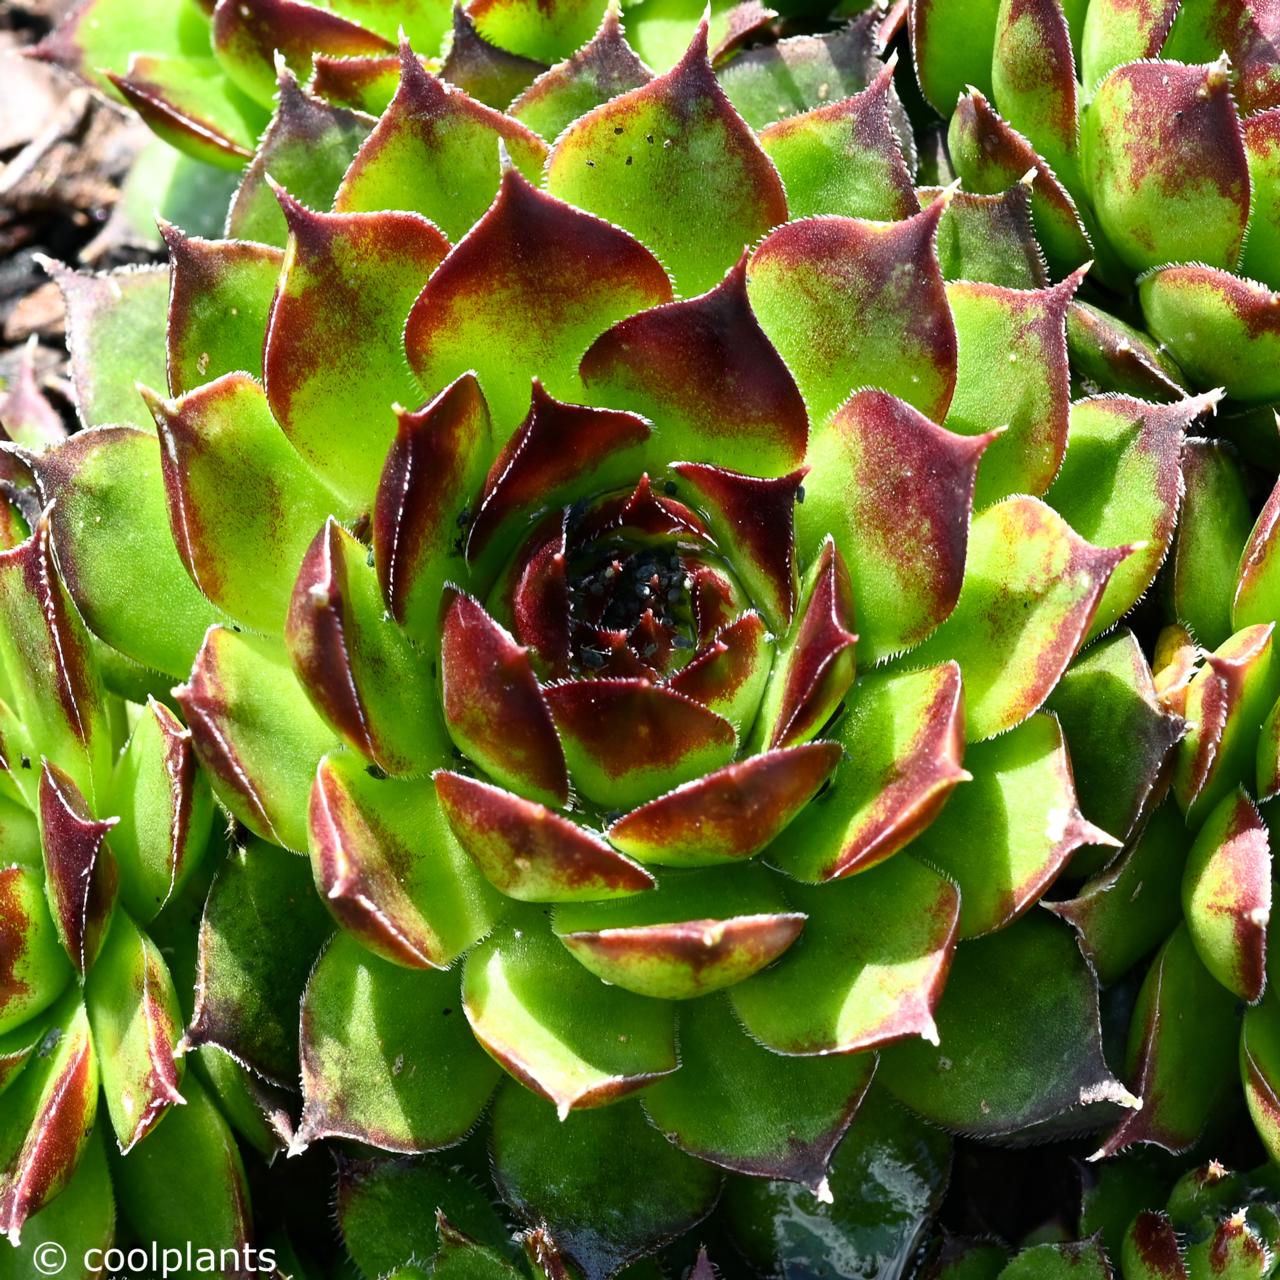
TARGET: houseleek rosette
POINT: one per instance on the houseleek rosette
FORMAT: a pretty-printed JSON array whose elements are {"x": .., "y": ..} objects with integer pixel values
[{"x": 638, "y": 593}]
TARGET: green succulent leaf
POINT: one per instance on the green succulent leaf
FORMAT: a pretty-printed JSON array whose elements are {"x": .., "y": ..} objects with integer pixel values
[
  {"x": 39, "y": 968},
  {"x": 694, "y": 215},
  {"x": 491, "y": 75},
  {"x": 603, "y": 68},
  {"x": 850, "y": 303},
  {"x": 954, "y": 44},
  {"x": 1121, "y": 482},
  {"x": 1031, "y": 587},
  {"x": 48, "y": 1117},
  {"x": 1005, "y": 836},
  {"x": 387, "y": 1056},
  {"x": 1180, "y": 1067},
  {"x": 1261, "y": 246},
  {"x": 136, "y": 1024},
  {"x": 748, "y": 1109},
  {"x": 514, "y": 309},
  {"x": 261, "y": 928},
  {"x": 576, "y": 1173},
  {"x": 989, "y": 238},
  {"x": 1165, "y": 163},
  {"x": 1260, "y": 1069},
  {"x": 116, "y": 339},
  {"x": 1037, "y": 1058},
  {"x": 902, "y": 735},
  {"x": 255, "y": 733},
  {"x": 868, "y": 968},
  {"x": 112, "y": 477},
  {"x": 192, "y": 1160},
  {"x": 1114, "y": 356},
  {"x": 165, "y": 810},
  {"x": 306, "y": 149},
  {"x": 558, "y": 1029},
  {"x": 1226, "y": 895},
  {"x": 1116, "y": 32},
  {"x": 886, "y": 1182},
  {"x": 389, "y": 868}
]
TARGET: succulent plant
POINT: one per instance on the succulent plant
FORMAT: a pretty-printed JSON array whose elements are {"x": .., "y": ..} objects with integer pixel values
[
  {"x": 1151, "y": 134},
  {"x": 105, "y": 822},
  {"x": 645, "y": 575}
]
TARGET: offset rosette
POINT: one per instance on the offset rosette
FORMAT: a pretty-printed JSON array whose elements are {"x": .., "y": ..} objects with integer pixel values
[{"x": 655, "y": 646}]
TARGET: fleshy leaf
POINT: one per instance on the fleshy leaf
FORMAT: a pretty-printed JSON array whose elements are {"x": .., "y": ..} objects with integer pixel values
[
  {"x": 627, "y": 741},
  {"x": 247, "y": 34},
  {"x": 255, "y": 732},
  {"x": 116, "y": 338},
  {"x": 1260, "y": 1069},
  {"x": 50, "y": 677},
  {"x": 895, "y": 491},
  {"x": 850, "y": 303},
  {"x": 902, "y": 736},
  {"x": 602, "y": 69},
  {"x": 729, "y": 674},
  {"x": 990, "y": 157},
  {"x": 487, "y": 72},
  {"x": 705, "y": 374},
  {"x": 1118, "y": 735},
  {"x": 494, "y": 708},
  {"x": 261, "y": 929},
  {"x": 1223, "y": 330},
  {"x": 1226, "y": 702},
  {"x": 579, "y": 1174},
  {"x": 438, "y": 457},
  {"x": 112, "y": 477},
  {"x": 306, "y": 148},
  {"x": 133, "y": 1012},
  {"x": 530, "y": 852},
  {"x": 165, "y": 812},
  {"x": 361, "y": 672},
  {"x": 1128, "y": 910},
  {"x": 334, "y": 352},
  {"x": 674, "y": 164},
  {"x": 81, "y": 876},
  {"x": 547, "y": 32},
  {"x": 1213, "y": 530},
  {"x": 1166, "y": 166},
  {"x": 1257, "y": 591},
  {"x": 814, "y": 665},
  {"x": 844, "y": 158},
  {"x": 220, "y": 295},
  {"x": 1262, "y": 245},
  {"x": 1048, "y": 1058},
  {"x": 739, "y": 1105},
  {"x": 555, "y": 1027},
  {"x": 1004, "y": 837},
  {"x": 1116, "y": 31},
  {"x": 389, "y": 868},
  {"x": 242, "y": 504},
  {"x": 193, "y": 106},
  {"x": 191, "y": 1160},
  {"x": 1030, "y": 590},
  {"x": 1114, "y": 356},
  {"x": 868, "y": 968},
  {"x": 1121, "y": 482},
  {"x": 523, "y": 296},
  {"x": 1180, "y": 1067},
  {"x": 730, "y": 814},
  {"x": 954, "y": 43},
  {"x": 1226, "y": 895},
  {"x": 1012, "y": 373},
  {"x": 387, "y": 1057},
  {"x": 35, "y": 967},
  {"x": 698, "y": 932},
  {"x": 435, "y": 152},
  {"x": 48, "y": 1117},
  {"x": 989, "y": 237}
]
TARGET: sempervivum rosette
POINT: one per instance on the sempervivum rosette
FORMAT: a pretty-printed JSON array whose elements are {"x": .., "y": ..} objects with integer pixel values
[{"x": 608, "y": 583}]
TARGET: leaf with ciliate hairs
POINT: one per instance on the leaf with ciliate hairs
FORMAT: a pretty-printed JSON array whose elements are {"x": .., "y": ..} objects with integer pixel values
[
  {"x": 555, "y": 1027},
  {"x": 632, "y": 161},
  {"x": 390, "y": 869},
  {"x": 851, "y": 303},
  {"x": 36, "y": 967},
  {"x": 387, "y": 1056},
  {"x": 525, "y": 293},
  {"x": 1038, "y": 1059}
]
